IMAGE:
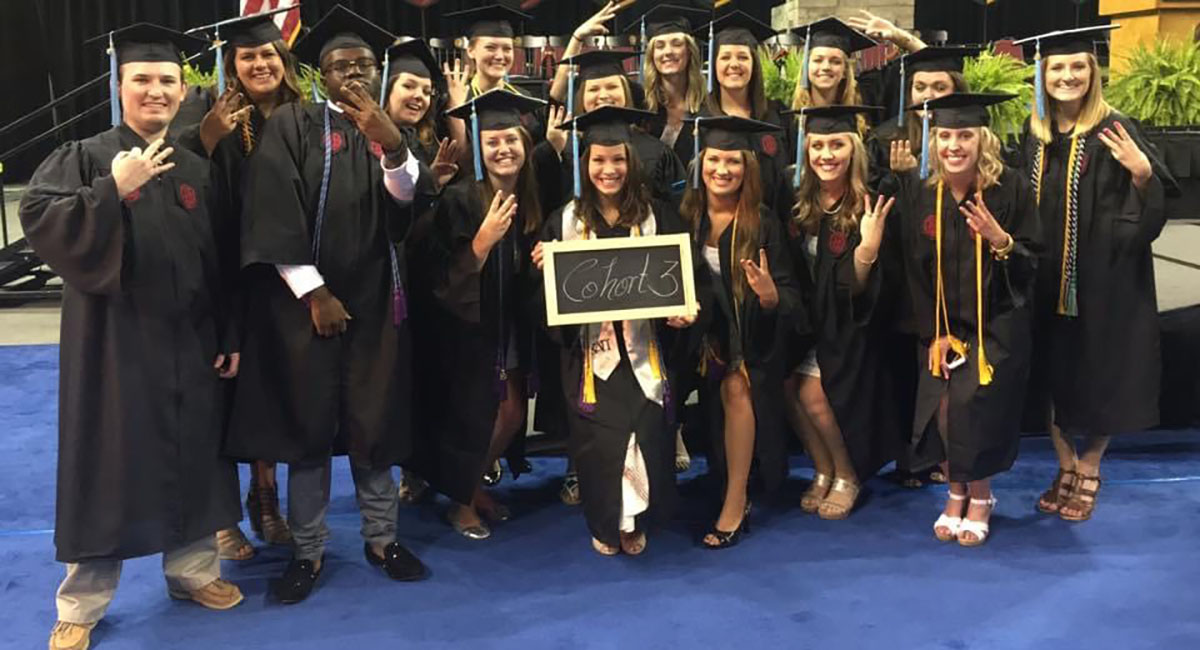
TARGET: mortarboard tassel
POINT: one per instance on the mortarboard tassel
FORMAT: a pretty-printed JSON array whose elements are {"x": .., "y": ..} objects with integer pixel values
[
  {"x": 925, "y": 143},
  {"x": 985, "y": 368},
  {"x": 114, "y": 91},
  {"x": 712, "y": 58},
  {"x": 696, "y": 162},
  {"x": 475, "y": 145},
  {"x": 800, "y": 158},
  {"x": 220, "y": 62},
  {"x": 577, "y": 178},
  {"x": 804, "y": 61},
  {"x": 903, "y": 99},
  {"x": 641, "y": 61},
  {"x": 383, "y": 88},
  {"x": 1039, "y": 84}
]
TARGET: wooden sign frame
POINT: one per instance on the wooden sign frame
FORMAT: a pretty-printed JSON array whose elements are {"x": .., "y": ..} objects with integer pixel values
[{"x": 687, "y": 277}]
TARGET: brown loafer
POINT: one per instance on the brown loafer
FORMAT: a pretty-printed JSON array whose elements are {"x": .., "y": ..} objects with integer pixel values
[
  {"x": 71, "y": 636},
  {"x": 218, "y": 595}
]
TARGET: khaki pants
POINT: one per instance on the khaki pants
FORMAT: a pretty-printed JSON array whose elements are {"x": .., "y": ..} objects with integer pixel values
[{"x": 86, "y": 592}]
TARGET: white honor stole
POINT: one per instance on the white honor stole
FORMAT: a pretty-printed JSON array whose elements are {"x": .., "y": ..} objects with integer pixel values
[{"x": 601, "y": 337}]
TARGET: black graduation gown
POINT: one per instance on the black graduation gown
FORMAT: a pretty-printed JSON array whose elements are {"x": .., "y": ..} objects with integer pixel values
[
  {"x": 477, "y": 315},
  {"x": 850, "y": 347},
  {"x": 984, "y": 421},
  {"x": 760, "y": 339},
  {"x": 139, "y": 465},
  {"x": 598, "y": 440},
  {"x": 298, "y": 389},
  {"x": 684, "y": 142},
  {"x": 1102, "y": 368},
  {"x": 879, "y": 147}
]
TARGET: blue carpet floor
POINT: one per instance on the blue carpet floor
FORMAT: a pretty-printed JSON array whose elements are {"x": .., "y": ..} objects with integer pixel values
[{"x": 1128, "y": 579}]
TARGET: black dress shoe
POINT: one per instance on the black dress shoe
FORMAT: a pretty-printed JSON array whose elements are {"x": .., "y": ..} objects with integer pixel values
[
  {"x": 297, "y": 582},
  {"x": 397, "y": 562}
]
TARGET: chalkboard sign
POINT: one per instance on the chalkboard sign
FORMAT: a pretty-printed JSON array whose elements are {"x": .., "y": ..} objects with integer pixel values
[{"x": 618, "y": 278}]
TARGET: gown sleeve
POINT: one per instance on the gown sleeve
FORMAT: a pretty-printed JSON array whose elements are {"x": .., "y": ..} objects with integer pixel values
[
  {"x": 765, "y": 329},
  {"x": 275, "y": 224},
  {"x": 1019, "y": 272},
  {"x": 457, "y": 279},
  {"x": 76, "y": 223},
  {"x": 1142, "y": 215}
]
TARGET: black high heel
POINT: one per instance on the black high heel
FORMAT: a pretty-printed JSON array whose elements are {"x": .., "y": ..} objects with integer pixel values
[{"x": 727, "y": 538}]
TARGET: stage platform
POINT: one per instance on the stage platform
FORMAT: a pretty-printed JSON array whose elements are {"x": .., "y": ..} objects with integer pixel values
[{"x": 1125, "y": 580}]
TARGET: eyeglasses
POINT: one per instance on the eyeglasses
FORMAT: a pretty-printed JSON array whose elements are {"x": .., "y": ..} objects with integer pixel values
[{"x": 364, "y": 65}]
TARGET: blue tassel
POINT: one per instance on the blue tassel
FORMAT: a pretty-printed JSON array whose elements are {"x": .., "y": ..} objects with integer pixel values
[
  {"x": 383, "y": 88},
  {"x": 1039, "y": 82},
  {"x": 642, "y": 48},
  {"x": 800, "y": 162},
  {"x": 903, "y": 100},
  {"x": 804, "y": 61},
  {"x": 576, "y": 177},
  {"x": 114, "y": 90},
  {"x": 925, "y": 143},
  {"x": 475, "y": 145},
  {"x": 220, "y": 63},
  {"x": 712, "y": 58},
  {"x": 571, "y": 92}
]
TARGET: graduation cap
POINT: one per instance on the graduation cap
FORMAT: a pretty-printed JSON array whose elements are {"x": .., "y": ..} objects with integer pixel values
[
  {"x": 733, "y": 28},
  {"x": 248, "y": 31},
  {"x": 414, "y": 57},
  {"x": 1063, "y": 41},
  {"x": 494, "y": 110},
  {"x": 142, "y": 43},
  {"x": 933, "y": 59},
  {"x": 658, "y": 19},
  {"x": 489, "y": 20},
  {"x": 957, "y": 111},
  {"x": 341, "y": 29},
  {"x": 724, "y": 133},
  {"x": 829, "y": 32},
  {"x": 607, "y": 125},
  {"x": 825, "y": 120},
  {"x": 597, "y": 64}
]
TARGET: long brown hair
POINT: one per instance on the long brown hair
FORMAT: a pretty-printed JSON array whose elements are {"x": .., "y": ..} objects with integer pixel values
[
  {"x": 656, "y": 95},
  {"x": 527, "y": 194},
  {"x": 289, "y": 88},
  {"x": 808, "y": 211},
  {"x": 633, "y": 199},
  {"x": 913, "y": 126},
  {"x": 694, "y": 208},
  {"x": 758, "y": 94},
  {"x": 426, "y": 127},
  {"x": 847, "y": 94}
]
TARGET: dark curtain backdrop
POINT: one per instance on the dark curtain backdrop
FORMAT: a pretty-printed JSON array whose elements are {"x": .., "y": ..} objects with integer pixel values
[{"x": 41, "y": 42}]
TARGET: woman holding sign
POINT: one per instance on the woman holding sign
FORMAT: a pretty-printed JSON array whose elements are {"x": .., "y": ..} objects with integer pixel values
[
  {"x": 483, "y": 233},
  {"x": 615, "y": 373},
  {"x": 838, "y": 395},
  {"x": 746, "y": 277},
  {"x": 968, "y": 238}
]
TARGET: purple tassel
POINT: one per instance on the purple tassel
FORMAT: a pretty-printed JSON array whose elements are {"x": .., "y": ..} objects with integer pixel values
[
  {"x": 668, "y": 404},
  {"x": 399, "y": 306}
]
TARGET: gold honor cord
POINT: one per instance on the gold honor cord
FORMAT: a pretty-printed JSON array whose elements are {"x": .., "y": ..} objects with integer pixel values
[{"x": 941, "y": 312}]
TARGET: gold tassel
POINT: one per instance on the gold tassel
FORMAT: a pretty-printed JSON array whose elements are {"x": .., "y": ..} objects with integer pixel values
[
  {"x": 655, "y": 358},
  {"x": 935, "y": 348},
  {"x": 985, "y": 368},
  {"x": 589, "y": 378}
]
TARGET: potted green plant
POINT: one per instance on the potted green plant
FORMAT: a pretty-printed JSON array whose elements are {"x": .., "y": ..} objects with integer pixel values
[
  {"x": 991, "y": 72},
  {"x": 1159, "y": 87}
]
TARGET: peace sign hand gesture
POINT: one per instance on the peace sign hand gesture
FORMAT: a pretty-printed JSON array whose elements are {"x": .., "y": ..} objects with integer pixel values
[
  {"x": 1126, "y": 152},
  {"x": 227, "y": 112},
  {"x": 870, "y": 225},
  {"x": 495, "y": 224},
  {"x": 760, "y": 280},
  {"x": 369, "y": 118},
  {"x": 980, "y": 219},
  {"x": 133, "y": 169},
  {"x": 594, "y": 26}
]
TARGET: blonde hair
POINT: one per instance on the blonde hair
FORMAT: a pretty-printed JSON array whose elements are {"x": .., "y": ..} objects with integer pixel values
[
  {"x": 808, "y": 212},
  {"x": 656, "y": 95},
  {"x": 988, "y": 168},
  {"x": 847, "y": 94},
  {"x": 1095, "y": 109},
  {"x": 695, "y": 205},
  {"x": 625, "y": 86}
]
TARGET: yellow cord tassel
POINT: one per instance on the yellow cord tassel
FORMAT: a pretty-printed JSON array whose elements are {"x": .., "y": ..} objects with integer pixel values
[
  {"x": 589, "y": 379},
  {"x": 942, "y": 313},
  {"x": 985, "y": 368}
]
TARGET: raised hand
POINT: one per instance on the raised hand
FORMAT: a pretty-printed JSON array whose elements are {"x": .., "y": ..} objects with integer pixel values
[
  {"x": 980, "y": 219},
  {"x": 877, "y": 27},
  {"x": 758, "y": 276},
  {"x": 495, "y": 224},
  {"x": 227, "y": 112},
  {"x": 871, "y": 225},
  {"x": 371, "y": 120},
  {"x": 1126, "y": 152},
  {"x": 555, "y": 136},
  {"x": 594, "y": 26},
  {"x": 456, "y": 82},
  {"x": 133, "y": 169},
  {"x": 902, "y": 158},
  {"x": 444, "y": 168}
]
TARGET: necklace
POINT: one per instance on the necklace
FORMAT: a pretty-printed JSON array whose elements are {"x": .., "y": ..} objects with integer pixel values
[{"x": 837, "y": 207}]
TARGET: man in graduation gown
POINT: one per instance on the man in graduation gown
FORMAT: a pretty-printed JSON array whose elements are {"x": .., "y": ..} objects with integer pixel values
[
  {"x": 327, "y": 341},
  {"x": 124, "y": 218}
]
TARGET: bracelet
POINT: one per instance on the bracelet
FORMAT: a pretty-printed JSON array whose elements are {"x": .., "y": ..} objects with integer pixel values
[
  {"x": 1004, "y": 251},
  {"x": 865, "y": 262}
]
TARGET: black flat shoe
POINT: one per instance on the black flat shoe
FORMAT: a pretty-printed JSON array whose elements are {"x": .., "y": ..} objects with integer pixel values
[
  {"x": 397, "y": 562},
  {"x": 297, "y": 582},
  {"x": 727, "y": 538}
]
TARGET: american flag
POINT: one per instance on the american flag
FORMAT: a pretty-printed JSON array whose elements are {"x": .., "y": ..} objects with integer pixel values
[{"x": 288, "y": 21}]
